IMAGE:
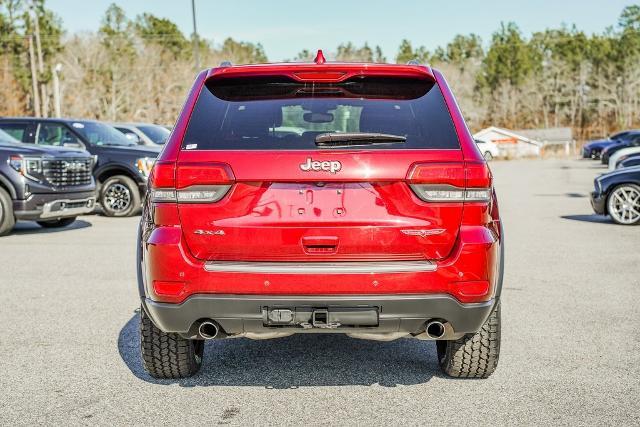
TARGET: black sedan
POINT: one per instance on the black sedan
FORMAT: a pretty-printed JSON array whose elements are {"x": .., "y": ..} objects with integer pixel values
[{"x": 617, "y": 194}]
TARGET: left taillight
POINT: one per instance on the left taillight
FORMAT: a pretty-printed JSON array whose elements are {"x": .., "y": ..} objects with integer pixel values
[
  {"x": 190, "y": 182},
  {"x": 451, "y": 182}
]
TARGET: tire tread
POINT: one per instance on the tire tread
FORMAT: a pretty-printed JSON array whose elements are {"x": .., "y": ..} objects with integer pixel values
[
  {"x": 473, "y": 355},
  {"x": 167, "y": 355}
]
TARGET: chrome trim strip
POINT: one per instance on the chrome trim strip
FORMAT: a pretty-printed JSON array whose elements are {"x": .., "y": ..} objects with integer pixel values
[
  {"x": 346, "y": 267},
  {"x": 89, "y": 204}
]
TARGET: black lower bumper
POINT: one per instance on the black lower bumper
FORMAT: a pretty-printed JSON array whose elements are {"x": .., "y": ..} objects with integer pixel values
[
  {"x": 55, "y": 205},
  {"x": 372, "y": 314},
  {"x": 598, "y": 203}
]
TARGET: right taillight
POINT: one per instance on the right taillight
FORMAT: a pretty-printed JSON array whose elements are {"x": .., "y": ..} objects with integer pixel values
[
  {"x": 190, "y": 182},
  {"x": 451, "y": 182}
]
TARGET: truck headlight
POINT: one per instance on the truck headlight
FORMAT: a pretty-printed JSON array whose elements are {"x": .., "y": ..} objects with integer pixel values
[
  {"x": 26, "y": 166},
  {"x": 145, "y": 164}
]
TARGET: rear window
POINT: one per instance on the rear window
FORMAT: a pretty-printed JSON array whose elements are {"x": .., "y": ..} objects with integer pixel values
[{"x": 282, "y": 114}]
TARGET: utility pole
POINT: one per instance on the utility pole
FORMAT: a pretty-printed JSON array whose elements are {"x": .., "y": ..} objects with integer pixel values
[
  {"x": 43, "y": 86},
  {"x": 56, "y": 89},
  {"x": 34, "y": 79},
  {"x": 196, "y": 43}
]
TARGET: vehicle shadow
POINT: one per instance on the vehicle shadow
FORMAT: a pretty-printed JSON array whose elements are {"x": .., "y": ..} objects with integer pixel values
[
  {"x": 297, "y": 361},
  {"x": 570, "y": 195},
  {"x": 601, "y": 219},
  {"x": 30, "y": 227}
]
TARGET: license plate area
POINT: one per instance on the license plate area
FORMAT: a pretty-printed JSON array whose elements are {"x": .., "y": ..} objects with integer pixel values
[{"x": 320, "y": 317}]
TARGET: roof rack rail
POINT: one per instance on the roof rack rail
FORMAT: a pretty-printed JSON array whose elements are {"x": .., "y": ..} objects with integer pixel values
[{"x": 226, "y": 64}]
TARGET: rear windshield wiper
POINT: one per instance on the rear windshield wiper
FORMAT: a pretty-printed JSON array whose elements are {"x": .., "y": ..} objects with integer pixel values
[{"x": 350, "y": 139}]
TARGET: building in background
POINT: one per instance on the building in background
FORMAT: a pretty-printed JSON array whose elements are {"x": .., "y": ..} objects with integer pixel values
[
  {"x": 554, "y": 140},
  {"x": 510, "y": 143}
]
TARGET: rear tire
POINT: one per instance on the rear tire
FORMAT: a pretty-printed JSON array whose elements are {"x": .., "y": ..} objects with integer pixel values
[
  {"x": 168, "y": 355},
  {"x": 56, "y": 223},
  {"x": 473, "y": 355},
  {"x": 120, "y": 197},
  {"x": 7, "y": 220}
]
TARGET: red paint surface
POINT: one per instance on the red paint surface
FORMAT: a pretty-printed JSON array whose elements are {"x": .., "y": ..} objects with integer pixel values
[{"x": 274, "y": 211}]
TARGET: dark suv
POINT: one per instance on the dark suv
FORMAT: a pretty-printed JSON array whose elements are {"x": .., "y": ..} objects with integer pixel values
[
  {"x": 45, "y": 184},
  {"x": 320, "y": 198},
  {"x": 121, "y": 166}
]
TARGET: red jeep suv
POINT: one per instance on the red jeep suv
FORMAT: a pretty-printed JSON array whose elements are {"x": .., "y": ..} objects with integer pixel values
[{"x": 320, "y": 198}]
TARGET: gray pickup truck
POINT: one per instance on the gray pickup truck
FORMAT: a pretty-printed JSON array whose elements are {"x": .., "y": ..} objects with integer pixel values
[{"x": 49, "y": 185}]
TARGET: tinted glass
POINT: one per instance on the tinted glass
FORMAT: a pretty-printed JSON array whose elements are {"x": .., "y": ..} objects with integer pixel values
[
  {"x": 55, "y": 134},
  {"x": 253, "y": 114},
  {"x": 100, "y": 134},
  {"x": 5, "y": 138},
  {"x": 629, "y": 136},
  {"x": 16, "y": 130},
  {"x": 157, "y": 134}
]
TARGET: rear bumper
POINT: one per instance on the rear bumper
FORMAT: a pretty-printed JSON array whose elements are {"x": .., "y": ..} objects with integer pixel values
[
  {"x": 169, "y": 274},
  {"x": 53, "y": 206},
  {"x": 397, "y": 315}
]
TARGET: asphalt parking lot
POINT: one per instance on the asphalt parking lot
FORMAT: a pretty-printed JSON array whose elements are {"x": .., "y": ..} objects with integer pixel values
[{"x": 570, "y": 344}]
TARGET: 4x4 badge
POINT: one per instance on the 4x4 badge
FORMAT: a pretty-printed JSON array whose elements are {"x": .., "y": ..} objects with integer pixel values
[
  {"x": 210, "y": 232},
  {"x": 331, "y": 166}
]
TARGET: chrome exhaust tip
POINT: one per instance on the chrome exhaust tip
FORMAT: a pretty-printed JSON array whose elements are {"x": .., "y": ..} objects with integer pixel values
[
  {"x": 435, "y": 329},
  {"x": 208, "y": 330}
]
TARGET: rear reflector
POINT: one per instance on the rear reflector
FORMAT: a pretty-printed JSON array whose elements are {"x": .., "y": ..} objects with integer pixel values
[
  {"x": 168, "y": 288},
  {"x": 473, "y": 291}
]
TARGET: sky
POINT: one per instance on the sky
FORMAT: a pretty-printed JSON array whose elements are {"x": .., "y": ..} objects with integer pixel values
[{"x": 285, "y": 27}]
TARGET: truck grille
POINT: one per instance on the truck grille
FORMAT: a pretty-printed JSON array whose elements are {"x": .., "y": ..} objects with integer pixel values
[{"x": 68, "y": 172}]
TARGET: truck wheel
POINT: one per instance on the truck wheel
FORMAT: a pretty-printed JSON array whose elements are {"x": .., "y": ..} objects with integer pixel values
[
  {"x": 473, "y": 355},
  {"x": 7, "y": 220},
  {"x": 56, "y": 223},
  {"x": 168, "y": 355},
  {"x": 119, "y": 196}
]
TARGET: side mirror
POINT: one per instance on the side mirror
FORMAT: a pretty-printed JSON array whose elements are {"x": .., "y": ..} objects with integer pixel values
[{"x": 133, "y": 137}]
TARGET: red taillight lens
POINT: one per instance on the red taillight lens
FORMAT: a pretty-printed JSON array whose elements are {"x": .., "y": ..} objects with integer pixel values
[
  {"x": 478, "y": 175},
  {"x": 190, "y": 174},
  {"x": 451, "y": 182},
  {"x": 190, "y": 182},
  {"x": 163, "y": 175},
  {"x": 438, "y": 173}
]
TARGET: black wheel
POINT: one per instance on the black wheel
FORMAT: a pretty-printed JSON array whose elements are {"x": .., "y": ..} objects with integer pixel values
[
  {"x": 473, "y": 355},
  {"x": 56, "y": 223},
  {"x": 168, "y": 355},
  {"x": 623, "y": 204},
  {"x": 7, "y": 220},
  {"x": 488, "y": 156},
  {"x": 119, "y": 196}
]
